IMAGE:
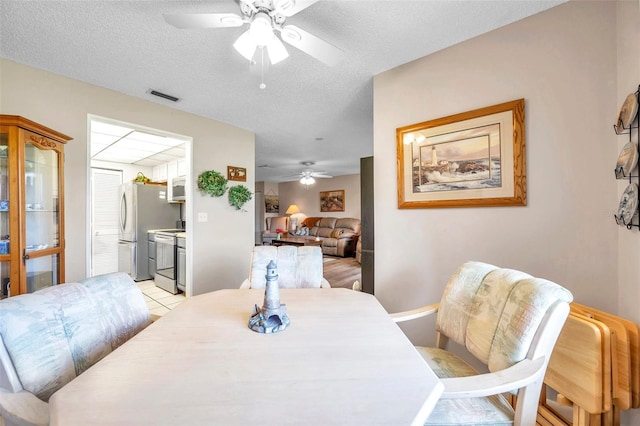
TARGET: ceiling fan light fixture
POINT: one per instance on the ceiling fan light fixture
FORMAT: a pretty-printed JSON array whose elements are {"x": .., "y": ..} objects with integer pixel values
[
  {"x": 245, "y": 45},
  {"x": 261, "y": 30},
  {"x": 307, "y": 180},
  {"x": 277, "y": 51}
]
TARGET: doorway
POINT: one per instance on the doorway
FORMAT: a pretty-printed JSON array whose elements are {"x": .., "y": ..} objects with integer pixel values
[{"x": 119, "y": 152}]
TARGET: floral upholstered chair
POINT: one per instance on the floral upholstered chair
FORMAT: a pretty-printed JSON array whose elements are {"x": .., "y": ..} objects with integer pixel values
[
  {"x": 297, "y": 267},
  {"x": 509, "y": 321}
]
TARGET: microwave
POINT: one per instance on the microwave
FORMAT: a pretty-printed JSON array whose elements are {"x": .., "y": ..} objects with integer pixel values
[{"x": 178, "y": 192}]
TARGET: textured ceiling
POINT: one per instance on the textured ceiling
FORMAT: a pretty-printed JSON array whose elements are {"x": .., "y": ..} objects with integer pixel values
[{"x": 308, "y": 110}]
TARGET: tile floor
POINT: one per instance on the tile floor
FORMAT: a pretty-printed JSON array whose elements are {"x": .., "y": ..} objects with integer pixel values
[{"x": 158, "y": 300}]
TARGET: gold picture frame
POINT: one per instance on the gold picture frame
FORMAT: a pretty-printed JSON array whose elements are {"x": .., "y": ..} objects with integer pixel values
[
  {"x": 472, "y": 159},
  {"x": 332, "y": 201},
  {"x": 236, "y": 173}
]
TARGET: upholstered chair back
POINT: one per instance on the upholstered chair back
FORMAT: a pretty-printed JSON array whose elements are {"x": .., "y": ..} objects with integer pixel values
[
  {"x": 53, "y": 335},
  {"x": 494, "y": 312},
  {"x": 297, "y": 267},
  {"x": 277, "y": 222}
]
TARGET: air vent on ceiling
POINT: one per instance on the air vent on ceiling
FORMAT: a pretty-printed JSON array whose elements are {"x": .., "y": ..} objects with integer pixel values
[{"x": 163, "y": 95}]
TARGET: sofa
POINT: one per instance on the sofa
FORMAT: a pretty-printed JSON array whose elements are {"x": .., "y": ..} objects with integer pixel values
[
  {"x": 49, "y": 337},
  {"x": 339, "y": 236}
]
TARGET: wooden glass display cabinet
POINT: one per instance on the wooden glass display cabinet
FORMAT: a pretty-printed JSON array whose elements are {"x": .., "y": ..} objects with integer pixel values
[{"x": 31, "y": 206}]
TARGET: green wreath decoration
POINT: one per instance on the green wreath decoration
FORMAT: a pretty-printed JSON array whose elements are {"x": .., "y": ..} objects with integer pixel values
[
  {"x": 212, "y": 182},
  {"x": 239, "y": 195}
]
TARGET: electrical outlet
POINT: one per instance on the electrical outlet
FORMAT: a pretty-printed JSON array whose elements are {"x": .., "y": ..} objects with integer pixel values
[{"x": 202, "y": 217}]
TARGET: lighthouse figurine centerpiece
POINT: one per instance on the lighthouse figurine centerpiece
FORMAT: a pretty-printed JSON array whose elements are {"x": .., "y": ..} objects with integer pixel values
[{"x": 272, "y": 317}]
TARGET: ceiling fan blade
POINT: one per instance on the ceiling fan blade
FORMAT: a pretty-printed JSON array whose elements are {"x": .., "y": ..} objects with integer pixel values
[
  {"x": 204, "y": 20},
  {"x": 291, "y": 7},
  {"x": 321, "y": 176},
  {"x": 311, "y": 45}
]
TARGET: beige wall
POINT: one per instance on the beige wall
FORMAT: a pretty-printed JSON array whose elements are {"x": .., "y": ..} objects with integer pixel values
[
  {"x": 219, "y": 249},
  {"x": 574, "y": 65},
  {"x": 562, "y": 62},
  {"x": 308, "y": 200},
  {"x": 628, "y": 51}
]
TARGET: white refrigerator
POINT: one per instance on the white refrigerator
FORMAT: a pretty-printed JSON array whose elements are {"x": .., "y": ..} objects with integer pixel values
[{"x": 142, "y": 207}]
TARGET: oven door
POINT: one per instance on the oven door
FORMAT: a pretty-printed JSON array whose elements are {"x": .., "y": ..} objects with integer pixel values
[{"x": 166, "y": 256}]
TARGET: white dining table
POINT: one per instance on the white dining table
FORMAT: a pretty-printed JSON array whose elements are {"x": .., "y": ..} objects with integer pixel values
[{"x": 341, "y": 361}]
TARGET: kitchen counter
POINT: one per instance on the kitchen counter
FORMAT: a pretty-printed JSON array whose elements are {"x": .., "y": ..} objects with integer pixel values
[
  {"x": 164, "y": 230},
  {"x": 181, "y": 235}
]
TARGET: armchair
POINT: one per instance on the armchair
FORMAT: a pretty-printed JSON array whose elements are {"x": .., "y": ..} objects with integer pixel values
[
  {"x": 273, "y": 224},
  {"x": 509, "y": 321},
  {"x": 297, "y": 267}
]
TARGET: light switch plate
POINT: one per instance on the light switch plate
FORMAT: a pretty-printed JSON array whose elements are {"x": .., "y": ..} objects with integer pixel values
[{"x": 202, "y": 217}]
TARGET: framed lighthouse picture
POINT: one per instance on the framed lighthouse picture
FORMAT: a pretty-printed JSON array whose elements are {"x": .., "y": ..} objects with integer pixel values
[{"x": 471, "y": 159}]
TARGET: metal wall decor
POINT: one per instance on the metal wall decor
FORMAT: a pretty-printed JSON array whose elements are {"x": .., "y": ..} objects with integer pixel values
[{"x": 628, "y": 123}]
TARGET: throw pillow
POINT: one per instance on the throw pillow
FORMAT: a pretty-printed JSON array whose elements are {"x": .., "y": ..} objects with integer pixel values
[{"x": 336, "y": 233}]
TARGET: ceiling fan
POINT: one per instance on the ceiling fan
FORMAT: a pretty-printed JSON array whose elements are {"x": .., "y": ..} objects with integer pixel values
[
  {"x": 265, "y": 18},
  {"x": 307, "y": 176}
]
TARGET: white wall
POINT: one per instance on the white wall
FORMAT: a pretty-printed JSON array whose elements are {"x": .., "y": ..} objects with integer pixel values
[
  {"x": 563, "y": 63},
  {"x": 220, "y": 248},
  {"x": 308, "y": 199}
]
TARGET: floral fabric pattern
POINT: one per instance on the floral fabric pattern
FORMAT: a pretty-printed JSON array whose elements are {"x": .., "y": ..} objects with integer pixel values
[
  {"x": 55, "y": 334},
  {"x": 494, "y": 313},
  {"x": 297, "y": 266},
  {"x": 493, "y": 410}
]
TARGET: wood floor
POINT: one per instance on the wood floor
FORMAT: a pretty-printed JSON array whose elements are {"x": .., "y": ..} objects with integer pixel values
[{"x": 341, "y": 272}]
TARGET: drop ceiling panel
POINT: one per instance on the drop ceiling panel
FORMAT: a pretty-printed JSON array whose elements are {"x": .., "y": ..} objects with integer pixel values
[{"x": 122, "y": 144}]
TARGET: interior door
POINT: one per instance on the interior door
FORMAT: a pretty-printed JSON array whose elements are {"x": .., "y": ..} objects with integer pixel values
[{"x": 105, "y": 190}]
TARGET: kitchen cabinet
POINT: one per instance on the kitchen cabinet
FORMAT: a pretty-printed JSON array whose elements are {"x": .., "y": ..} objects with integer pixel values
[
  {"x": 182, "y": 167},
  {"x": 159, "y": 173},
  {"x": 175, "y": 169},
  {"x": 31, "y": 206}
]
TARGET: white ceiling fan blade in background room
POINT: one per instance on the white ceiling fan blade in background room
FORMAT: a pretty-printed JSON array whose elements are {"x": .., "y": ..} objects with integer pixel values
[
  {"x": 204, "y": 20},
  {"x": 291, "y": 7},
  {"x": 311, "y": 45}
]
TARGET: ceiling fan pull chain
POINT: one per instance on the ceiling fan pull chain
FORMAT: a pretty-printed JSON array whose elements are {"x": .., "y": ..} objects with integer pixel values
[{"x": 262, "y": 85}]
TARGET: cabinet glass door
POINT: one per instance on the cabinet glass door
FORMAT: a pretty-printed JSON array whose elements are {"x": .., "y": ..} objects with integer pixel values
[
  {"x": 4, "y": 216},
  {"x": 41, "y": 198},
  {"x": 4, "y": 193},
  {"x": 42, "y": 272},
  {"x": 42, "y": 251},
  {"x": 5, "y": 279}
]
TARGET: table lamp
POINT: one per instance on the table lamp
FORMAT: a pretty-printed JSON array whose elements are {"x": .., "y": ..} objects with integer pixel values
[{"x": 293, "y": 210}]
